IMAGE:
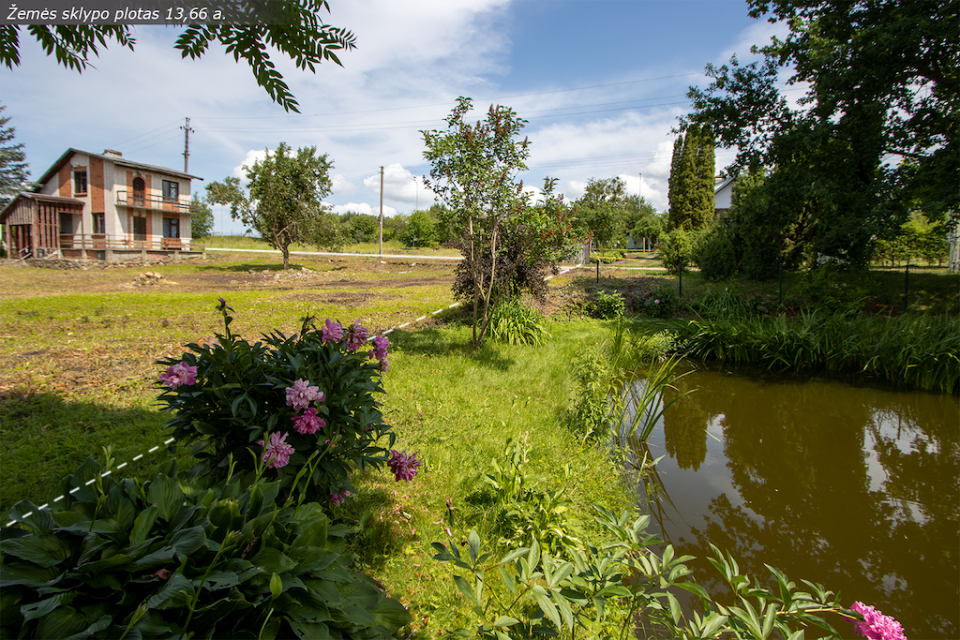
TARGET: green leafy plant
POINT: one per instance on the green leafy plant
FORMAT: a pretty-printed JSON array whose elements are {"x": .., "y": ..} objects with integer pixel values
[
  {"x": 513, "y": 322},
  {"x": 517, "y": 513},
  {"x": 178, "y": 556},
  {"x": 619, "y": 582},
  {"x": 607, "y": 306},
  {"x": 282, "y": 401}
]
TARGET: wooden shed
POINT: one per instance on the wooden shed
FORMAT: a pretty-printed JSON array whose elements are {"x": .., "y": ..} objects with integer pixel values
[{"x": 33, "y": 222}]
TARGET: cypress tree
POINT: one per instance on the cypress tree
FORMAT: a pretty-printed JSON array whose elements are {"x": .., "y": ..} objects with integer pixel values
[
  {"x": 672, "y": 186},
  {"x": 691, "y": 181}
]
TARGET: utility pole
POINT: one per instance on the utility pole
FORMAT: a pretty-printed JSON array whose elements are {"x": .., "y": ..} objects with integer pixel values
[
  {"x": 186, "y": 143},
  {"x": 381, "y": 211}
]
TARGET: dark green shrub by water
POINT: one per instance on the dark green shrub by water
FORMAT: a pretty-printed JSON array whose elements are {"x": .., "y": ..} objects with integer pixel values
[{"x": 918, "y": 352}]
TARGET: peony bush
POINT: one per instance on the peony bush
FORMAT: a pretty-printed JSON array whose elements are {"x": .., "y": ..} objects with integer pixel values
[{"x": 304, "y": 406}]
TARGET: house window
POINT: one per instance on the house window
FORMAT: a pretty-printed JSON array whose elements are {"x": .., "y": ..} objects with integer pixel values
[
  {"x": 171, "y": 190},
  {"x": 171, "y": 227},
  {"x": 99, "y": 224},
  {"x": 79, "y": 182}
]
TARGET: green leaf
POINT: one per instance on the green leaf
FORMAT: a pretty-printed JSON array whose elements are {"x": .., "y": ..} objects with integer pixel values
[
  {"x": 43, "y": 550},
  {"x": 165, "y": 494},
  {"x": 43, "y": 607},
  {"x": 548, "y": 609},
  {"x": 392, "y": 615},
  {"x": 505, "y": 621},
  {"x": 466, "y": 590},
  {"x": 273, "y": 560},
  {"x": 62, "y": 622},
  {"x": 176, "y": 593},
  {"x": 39, "y": 520},
  {"x": 276, "y": 586}
]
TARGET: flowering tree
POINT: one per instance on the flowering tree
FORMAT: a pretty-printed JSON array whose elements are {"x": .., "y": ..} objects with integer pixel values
[{"x": 474, "y": 170}]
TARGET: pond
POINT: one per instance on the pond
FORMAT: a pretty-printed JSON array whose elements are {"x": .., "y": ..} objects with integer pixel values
[{"x": 852, "y": 487}]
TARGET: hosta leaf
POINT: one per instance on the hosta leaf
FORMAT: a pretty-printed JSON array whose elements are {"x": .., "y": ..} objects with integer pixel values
[
  {"x": 221, "y": 580},
  {"x": 43, "y": 607},
  {"x": 62, "y": 622},
  {"x": 391, "y": 614},
  {"x": 28, "y": 575},
  {"x": 43, "y": 550},
  {"x": 276, "y": 585},
  {"x": 39, "y": 520},
  {"x": 177, "y": 592},
  {"x": 165, "y": 494},
  {"x": 273, "y": 561}
]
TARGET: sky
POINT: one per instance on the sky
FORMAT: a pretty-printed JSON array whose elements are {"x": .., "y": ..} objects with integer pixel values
[{"x": 600, "y": 82}]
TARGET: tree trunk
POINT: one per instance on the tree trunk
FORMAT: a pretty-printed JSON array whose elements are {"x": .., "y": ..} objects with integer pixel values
[{"x": 285, "y": 250}]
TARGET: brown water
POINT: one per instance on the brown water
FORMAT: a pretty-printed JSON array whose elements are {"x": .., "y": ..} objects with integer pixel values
[{"x": 851, "y": 487}]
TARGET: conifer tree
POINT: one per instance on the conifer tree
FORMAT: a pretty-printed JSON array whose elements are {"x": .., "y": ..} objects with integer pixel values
[
  {"x": 13, "y": 165},
  {"x": 691, "y": 181}
]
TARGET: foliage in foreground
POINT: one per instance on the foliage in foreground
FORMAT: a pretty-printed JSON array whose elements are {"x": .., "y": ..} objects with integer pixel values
[
  {"x": 605, "y": 588},
  {"x": 177, "y": 555}
]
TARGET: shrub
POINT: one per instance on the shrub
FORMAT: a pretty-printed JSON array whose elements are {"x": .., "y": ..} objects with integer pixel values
[
  {"x": 514, "y": 323},
  {"x": 677, "y": 249},
  {"x": 663, "y": 302},
  {"x": 284, "y": 401},
  {"x": 179, "y": 557},
  {"x": 716, "y": 256},
  {"x": 607, "y": 306}
]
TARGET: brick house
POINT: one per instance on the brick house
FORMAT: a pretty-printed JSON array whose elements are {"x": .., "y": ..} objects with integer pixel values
[{"x": 91, "y": 206}]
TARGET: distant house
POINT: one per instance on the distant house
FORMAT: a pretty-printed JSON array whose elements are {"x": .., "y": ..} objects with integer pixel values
[
  {"x": 722, "y": 197},
  {"x": 91, "y": 206}
]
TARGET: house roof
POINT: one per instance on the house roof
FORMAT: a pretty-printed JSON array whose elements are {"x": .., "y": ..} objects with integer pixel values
[
  {"x": 117, "y": 160},
  {"x": 39, "y": 197},
  {"x": 717, "y": 188}
]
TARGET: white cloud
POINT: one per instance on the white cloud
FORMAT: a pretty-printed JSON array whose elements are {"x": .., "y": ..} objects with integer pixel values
[
  {"x": 342, "y": 186},
  {"x": 401, "y": 185},
  {"x": 362, "y": 207}
]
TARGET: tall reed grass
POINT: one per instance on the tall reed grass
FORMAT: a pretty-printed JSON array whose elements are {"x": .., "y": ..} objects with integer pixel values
[{"x": 920, "y": 352}]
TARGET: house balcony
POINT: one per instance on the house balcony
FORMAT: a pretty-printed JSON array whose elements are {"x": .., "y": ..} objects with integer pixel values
[
  {"x": 101, "y": 242},
  {"x": 157, "y": 203}
]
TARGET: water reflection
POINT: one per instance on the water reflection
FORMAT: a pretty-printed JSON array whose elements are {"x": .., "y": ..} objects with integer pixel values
[{"x": 851, "y": 487}]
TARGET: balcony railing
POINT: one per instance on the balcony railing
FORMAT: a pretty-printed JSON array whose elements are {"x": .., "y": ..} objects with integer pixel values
[
  {"x": 126, "y": 199},
  {"x": 99, "y": 242}
]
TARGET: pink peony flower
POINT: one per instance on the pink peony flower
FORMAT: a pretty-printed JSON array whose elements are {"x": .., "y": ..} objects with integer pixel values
[
  {"x": 277, "y": 453},
  {"x": 403, "y": 466},
  {"x": 340, "y": 497},
  {"x": 302, "y": 394},
  {"x": 331, "y": 331},
  {"x": 875, "y": 625},
  {"x": 357, "y": 336},
  {"x": 308, "y": 423},
  {"x": 179, "y": 374},
  {"x": 380, "y": 346}
]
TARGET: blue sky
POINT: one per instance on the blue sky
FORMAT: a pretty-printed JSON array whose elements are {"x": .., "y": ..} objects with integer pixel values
[{"x": 601, "y": 83}]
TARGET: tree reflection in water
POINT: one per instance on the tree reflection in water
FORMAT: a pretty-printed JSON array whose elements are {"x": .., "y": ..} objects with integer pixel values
[{"x": 851, "y": 487}]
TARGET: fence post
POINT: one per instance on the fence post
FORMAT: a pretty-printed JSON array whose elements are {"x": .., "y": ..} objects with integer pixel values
[
  {"x": 598, "y": 269},
  {"x": 781, "y": 282},
  {"x": 681, "y": 279},
  {"x": 906, "y": 286}
]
